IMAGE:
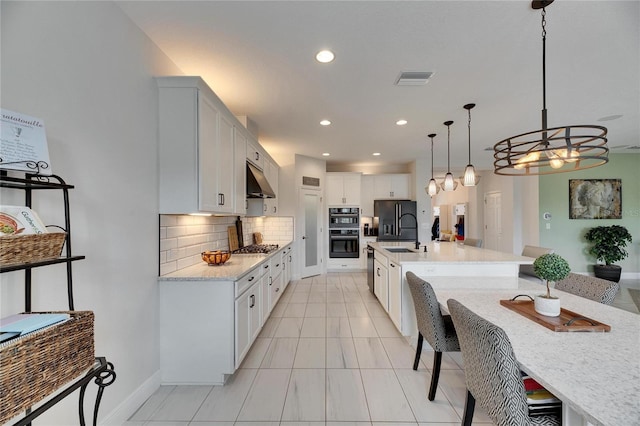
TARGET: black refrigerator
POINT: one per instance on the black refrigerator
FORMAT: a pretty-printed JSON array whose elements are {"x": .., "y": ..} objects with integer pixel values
[{"x": 396, "y": 220}]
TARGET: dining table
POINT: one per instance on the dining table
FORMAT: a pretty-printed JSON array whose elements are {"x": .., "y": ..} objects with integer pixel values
[{"x": 596, "y": 374}]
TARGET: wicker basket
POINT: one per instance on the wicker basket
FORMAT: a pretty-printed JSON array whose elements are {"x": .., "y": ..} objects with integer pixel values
[
  {"x": 17, "y": 249},
  {"x": 34, "y": 366}
]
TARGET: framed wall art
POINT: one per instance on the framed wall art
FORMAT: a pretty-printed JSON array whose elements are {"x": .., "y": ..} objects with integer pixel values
[{"x": 595, "y": 199}]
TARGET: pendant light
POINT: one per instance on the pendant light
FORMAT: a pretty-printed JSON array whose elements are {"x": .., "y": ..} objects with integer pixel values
[
  {"x": 449, "y": 183},
  {"x": 470, "y": 177},
  {"x": 550, "y": 150},
  {"x": 433, "y": 188}
]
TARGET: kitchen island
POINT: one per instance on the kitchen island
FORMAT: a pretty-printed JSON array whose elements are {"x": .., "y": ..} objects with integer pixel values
[
  {"x": 472, "y": 268},
  {"x": 211, "y": 315}
]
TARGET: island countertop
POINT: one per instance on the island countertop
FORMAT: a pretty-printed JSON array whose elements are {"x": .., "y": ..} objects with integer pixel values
[{"x": 447, "y": 253}]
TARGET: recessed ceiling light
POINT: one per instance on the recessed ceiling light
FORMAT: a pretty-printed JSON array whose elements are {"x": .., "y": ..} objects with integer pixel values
[
  {"x": 325, "y": 56},
  {"x": 376, "y": 154},
  {"x": 401, "y": 122},
  {"x": 326, "y": 154},
  {"x": 325, "y": 122}
]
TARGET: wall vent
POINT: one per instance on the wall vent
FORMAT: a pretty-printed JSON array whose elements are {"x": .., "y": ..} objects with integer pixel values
[{"x": 413, "y": 78}]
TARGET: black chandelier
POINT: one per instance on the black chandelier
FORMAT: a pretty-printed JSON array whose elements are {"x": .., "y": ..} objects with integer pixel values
[{"x": 551, "y": 150}]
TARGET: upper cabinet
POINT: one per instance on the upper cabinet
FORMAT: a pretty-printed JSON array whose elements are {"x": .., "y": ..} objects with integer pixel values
[
  {"x": 266, "y": 206},
  {"x": 198, "y": 155},
  {"x": 392, "y": 186},
  {"x": 366, "y": 201},
  {"x": 255, "y": 153},
  {"x": 343, "y": 189}
]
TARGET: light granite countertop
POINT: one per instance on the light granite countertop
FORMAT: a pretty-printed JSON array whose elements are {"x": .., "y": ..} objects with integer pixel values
[
  {"x": 447, "y": 253},
  {"x": 233, "y": 269},
  {"x": 597, "y": 375}
]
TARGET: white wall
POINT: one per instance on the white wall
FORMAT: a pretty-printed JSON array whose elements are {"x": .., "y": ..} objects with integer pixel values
[{"x": 86, "y": 71}]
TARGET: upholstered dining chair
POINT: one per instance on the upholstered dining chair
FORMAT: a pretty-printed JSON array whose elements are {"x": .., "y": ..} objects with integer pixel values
[
  {"x": 593, "y": 288},
  {"x": 476, "y": 242},
  {"x": 492, "y": 372},
  {"x": 432, "y": 325}
]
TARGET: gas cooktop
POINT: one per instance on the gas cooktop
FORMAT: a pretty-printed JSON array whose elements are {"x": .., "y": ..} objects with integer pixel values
[{"x": 257, "y": 249}]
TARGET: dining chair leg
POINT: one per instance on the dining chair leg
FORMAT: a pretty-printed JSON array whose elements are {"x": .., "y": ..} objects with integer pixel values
[
  {"x": 469, "y": 407},
  {"x": 418, "y": 351},
  {"x": 435, "y": 374}
]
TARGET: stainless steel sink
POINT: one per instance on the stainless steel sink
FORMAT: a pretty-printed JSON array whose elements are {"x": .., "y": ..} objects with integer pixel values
[{"x": 399, "y": 250}]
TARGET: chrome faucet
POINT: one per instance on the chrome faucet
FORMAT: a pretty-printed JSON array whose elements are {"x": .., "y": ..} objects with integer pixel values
[{"x": 416, "y": 220}]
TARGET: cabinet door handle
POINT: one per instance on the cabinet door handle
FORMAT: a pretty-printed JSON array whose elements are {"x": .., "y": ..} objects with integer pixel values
[
  {"x": 274, "y": 209},
  {"x": 264, "y": 208},
  {"x": 270, "y": 280},
  {"x": 250, "y": 279},
  {"x": 253, "y": 301},
  {"x": 257, "y": 156},
  {"x": 393, "y": 266},
  {"x": 277, "y": 289},
  {"x": 378, "y": 271},
  {"x": 221, "y": 199}
]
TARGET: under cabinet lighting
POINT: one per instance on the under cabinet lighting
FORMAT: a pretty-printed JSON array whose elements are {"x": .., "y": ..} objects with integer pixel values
[{"x": 326, "y": 154}]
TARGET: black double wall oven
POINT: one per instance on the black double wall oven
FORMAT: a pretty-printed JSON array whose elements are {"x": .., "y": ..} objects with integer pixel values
[{"x": 344, "y": 232}]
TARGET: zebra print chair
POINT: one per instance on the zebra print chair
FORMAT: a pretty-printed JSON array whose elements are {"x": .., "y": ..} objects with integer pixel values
[
  {"x": 492, "y": 372},
  {"x": 593, "y": 288},
  {"x": 432, "y": 325}
]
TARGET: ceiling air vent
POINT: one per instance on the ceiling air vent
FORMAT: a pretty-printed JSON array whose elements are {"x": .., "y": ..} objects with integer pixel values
[{"x": 413, "y": 78}]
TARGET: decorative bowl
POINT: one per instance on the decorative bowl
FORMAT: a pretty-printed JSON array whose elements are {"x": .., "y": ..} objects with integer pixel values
[{"x": 215, "y": 257}]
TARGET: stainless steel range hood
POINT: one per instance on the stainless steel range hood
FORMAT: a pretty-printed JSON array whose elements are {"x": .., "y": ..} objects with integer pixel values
[{"x": 257, "y": 184}]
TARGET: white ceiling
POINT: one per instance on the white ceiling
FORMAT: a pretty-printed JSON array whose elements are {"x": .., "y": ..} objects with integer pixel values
[{"x": 258, "y": 56}]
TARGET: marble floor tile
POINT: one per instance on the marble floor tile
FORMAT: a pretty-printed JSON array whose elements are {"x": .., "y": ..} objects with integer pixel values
[
  {"x": 351, "y": 296},
  {"x": 362, "y": 327},
  {"x": 345, "y": 397},
  {"x": 299, "y": 297},
  {"x": 279, "y": 309},
  {"x": 415, "y": 385},
  {"x": 400, "y": 353},
  {"x": 356, "y": 310},
  {"x": 152, "y": 404},
  {"x": 317, "y": 310},
  {"x": 371, "y": 353},
  {"x": 224, "y": 402},
  {"x": 295, "y": 310},
  {"x": 306, "y": 396},
  {"x": 256, "y": 353},
  {"x": 341, "y": 353},
  {"x": 375, "y": 310},
  {"x": 289, "y": 327},
  {"x": 269, "y": 327},
  {"x": 338, "y": 327},
  {"x": 334, "y": 296},
  {"x": 385, "y": 327},
  {"x": 314, "y": 327},
  {"x": 454, "y": 387},
  {"x": 311, "y": 353},
  {"x": 385, "y": 397},
  {"x": 281, "y": 353},
  {"x": 266, "y": 397},
  {"x": 317, "y": 297},
  {"x": 181, "y": 403},
  {"x": 336, "y": 310}
]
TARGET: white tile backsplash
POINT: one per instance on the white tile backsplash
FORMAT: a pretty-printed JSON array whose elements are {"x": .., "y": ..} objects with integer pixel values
[{"x": 184, "y": 237}]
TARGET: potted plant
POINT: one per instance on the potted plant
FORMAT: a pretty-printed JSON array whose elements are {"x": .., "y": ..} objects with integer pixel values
[
  {"x": 608, "y": 245},
  {"x": 549, "y": 267}
]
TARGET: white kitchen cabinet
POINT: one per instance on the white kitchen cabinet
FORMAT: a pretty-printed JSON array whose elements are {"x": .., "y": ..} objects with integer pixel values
[
  {"x": 248, "y": 320},
  {"x": 380, "y": 280},
  {"x": 276, "y": 285},
  {"x": 255, "y": 153},
  {"x": 343, "y": 189},
  {"x": 196, "y": 148},
  {"x": 366, "y": 195},
  {"x": 240, "y": 171},
  {"x": 392, "y": 186},
  {"x": 265, "y": 302},
  {"x": 287, "y": 264},
  {"x": 395, "y": 294},
  {"x": 344, "y": 264}
]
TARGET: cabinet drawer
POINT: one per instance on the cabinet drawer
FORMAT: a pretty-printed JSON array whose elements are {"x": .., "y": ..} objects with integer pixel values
[{"x": 248, "y": 280}]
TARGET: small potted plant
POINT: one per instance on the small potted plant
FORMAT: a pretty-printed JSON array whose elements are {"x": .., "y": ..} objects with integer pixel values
[
  {"x": 549, "y": 267},
  {"x": 608, "y": 245}
]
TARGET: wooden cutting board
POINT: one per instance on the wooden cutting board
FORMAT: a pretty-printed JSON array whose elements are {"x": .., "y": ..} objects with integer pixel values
[
  {"x": 233, "y": 238},
  {"x": 257, "y": 238}
]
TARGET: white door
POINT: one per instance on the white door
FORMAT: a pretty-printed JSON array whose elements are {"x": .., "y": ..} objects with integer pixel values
[
  {"x": 310, "y": 232},
  {"x": 493, "y": 221}
]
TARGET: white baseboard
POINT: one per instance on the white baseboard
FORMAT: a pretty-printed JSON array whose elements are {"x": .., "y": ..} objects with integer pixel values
[{"x": 128, "y": 407}]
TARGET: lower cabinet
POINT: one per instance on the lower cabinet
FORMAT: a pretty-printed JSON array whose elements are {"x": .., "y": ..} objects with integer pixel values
[
  {"x": 380, "y": 282},
  {"x": 395, "y": 294},
  {"x": 276, "y": 283},
  {"x": 248, "y": 320}
]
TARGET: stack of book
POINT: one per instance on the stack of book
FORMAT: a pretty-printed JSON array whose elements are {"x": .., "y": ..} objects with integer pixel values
[{"x": 540, "y": 400}]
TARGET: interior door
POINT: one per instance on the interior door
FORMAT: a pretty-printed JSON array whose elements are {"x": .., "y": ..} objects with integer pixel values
[
  {"x": 493, "y": 221},
  {"x": 310, "y": 232}
]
